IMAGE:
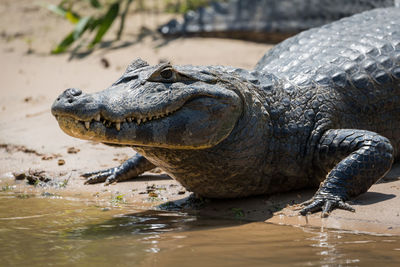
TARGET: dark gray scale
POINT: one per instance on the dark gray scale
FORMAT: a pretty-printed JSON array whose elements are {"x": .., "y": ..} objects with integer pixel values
[
  {"x": 356, "y": 87},
  {"x": 352, "y": 67}
]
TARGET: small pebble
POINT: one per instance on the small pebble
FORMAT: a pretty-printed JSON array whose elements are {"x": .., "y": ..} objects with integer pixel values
[
  {"x": 73, "y": 150},
  {"x": 19, "y": 175},
  {"x": 152, "y": 194},
  {"x": 104, "y": 62}
]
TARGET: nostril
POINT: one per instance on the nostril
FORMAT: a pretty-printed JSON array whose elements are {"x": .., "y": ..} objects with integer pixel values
[
  {"x": 70, "y": 100},
  {"x": 76, "y": 92},
  {"x": 73, "y": 92}
]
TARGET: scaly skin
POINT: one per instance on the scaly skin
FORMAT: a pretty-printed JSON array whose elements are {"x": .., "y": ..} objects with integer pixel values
[
  {"x": 322, "y": 106},
  {"x": 265, "y": 20}
]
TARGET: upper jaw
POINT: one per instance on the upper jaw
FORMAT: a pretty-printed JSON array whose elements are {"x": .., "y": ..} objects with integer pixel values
[
  {"x": 114, "y": 107},
  {"x": 112, "y": 123},
  {"x": 133, "y": 102}
]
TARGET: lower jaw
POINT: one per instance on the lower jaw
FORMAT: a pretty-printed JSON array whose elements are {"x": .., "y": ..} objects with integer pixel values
[
  {"x": 109, "y": 135},
  {"x": 78, "y": 130}
]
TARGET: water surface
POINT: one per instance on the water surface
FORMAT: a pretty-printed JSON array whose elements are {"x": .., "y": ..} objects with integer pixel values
[{"x": 53, "y": 231}]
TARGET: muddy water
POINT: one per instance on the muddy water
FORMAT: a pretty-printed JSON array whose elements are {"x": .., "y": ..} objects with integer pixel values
[{"x": 51, "y": 231}]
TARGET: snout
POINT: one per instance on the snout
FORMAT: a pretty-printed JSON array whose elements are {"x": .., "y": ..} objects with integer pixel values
[{"x": 74, "y": 103}]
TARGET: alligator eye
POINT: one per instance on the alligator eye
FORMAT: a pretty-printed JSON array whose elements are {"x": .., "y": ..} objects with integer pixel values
[{"x": 166, "y": 74}]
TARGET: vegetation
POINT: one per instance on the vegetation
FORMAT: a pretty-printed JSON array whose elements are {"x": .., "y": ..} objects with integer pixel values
[
  {"x": 97, "y": 16},
  {"x": 100, "y": 19},
  {"x": 117, "y": 200}
]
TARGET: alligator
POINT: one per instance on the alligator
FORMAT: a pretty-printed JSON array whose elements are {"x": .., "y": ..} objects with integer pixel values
[
  {"x": 319, "y": 109},
  {"x": 265, "y": 20}
]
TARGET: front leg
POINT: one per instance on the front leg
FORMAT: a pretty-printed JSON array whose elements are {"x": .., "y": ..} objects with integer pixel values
[
  {"x": 354, "y": 160},
  {"x": 127, "y": 170}
]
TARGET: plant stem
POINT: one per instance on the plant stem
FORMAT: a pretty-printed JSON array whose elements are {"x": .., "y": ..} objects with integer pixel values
[{"x": 122, "y": 21}]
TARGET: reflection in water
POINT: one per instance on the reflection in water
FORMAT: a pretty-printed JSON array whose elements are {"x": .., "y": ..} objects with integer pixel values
[
  {"x": 45, "y": 231},
  {"x": 149, "y": 226},
  {"x": 149, "y": 222},
  {"x": 346, "y": 248},
  {"x": 328, "y": 242}
]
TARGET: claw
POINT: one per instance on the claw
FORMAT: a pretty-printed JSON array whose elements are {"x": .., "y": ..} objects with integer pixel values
[
  {"x": 344, "y": 206},
  {"x": 88, "y": 174},
  {"x": 110, "y": 180},
  {"x": 316, "y": 205},
  {"x": 99, "y": 176},
  {"x": 325, "y": 205},
  {"x": 307, "y": 202},
  {"x": 94, "y": 180},
  {"x": 326, "y": 210}
]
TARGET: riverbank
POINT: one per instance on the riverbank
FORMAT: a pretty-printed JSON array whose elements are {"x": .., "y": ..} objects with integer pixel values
[{"x": 30, "y": 138}]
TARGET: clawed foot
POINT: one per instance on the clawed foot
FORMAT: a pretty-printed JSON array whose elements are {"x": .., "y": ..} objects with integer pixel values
[
  {"x": 130, "y": 169},
  {"x": 107, "y": 176},
  {"x": 326, "y": 204}
]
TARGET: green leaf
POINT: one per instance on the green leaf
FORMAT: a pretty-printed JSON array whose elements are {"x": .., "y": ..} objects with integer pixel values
[
  {"x": 57, "y": 10},
  {"x": 81, "y": 27},
  {"x": 73, "y": 18},
  {"x": 107, "y": 20},
  {"x": 95, "y": 3},
  {"x": 94, "y": 23},
  {"x": 64, "y": 44}
]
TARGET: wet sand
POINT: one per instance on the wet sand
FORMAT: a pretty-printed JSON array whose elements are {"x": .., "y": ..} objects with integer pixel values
[{"x": 31, "y": 139}]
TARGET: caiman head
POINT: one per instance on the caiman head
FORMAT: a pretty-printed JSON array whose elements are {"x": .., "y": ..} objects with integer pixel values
[{"x": 179, "y": 107}]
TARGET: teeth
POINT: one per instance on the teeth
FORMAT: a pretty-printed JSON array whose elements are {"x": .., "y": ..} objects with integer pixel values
[{"x": 118, "y": 124}]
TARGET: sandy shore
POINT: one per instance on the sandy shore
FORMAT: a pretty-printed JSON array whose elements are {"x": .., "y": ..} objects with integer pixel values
[{"x": 31, "y": 139}]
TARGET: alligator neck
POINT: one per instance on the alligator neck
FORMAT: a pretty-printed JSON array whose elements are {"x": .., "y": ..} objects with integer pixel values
[{"x": 248, "y": 142}]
